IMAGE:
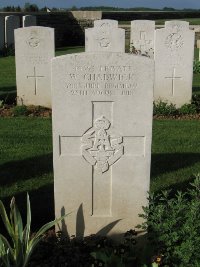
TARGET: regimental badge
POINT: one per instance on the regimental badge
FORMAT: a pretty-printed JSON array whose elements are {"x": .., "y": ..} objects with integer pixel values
[{"x": 101, "y": 146}]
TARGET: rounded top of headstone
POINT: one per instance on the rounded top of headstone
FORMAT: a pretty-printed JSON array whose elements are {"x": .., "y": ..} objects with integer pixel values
[
  {"x": 143, "y": 22},
  {"x": 106, "y": 23},
  {"x": 177, "y": 25}
]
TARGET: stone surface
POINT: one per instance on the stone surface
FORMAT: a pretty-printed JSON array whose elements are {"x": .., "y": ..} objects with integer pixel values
[
  {"x": 105, "y": 37},
  {"x": 198, "y": 43},
  {"x": 142, "y": 36},
  {"x": 198, "y": 46},
  {"x": 102, "y": 127},
  {"x": 106, "y": 23},
  {"x": 34, "y": 49},
  {"x": 2, "y": 27},
  {"x": 11, "y": 23},
  {"x": 29, "y": 20},
  {"x": 174, "y": 51}
]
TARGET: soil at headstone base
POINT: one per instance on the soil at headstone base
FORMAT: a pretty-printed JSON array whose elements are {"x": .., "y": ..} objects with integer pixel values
[{"x": 30, "y": 111}]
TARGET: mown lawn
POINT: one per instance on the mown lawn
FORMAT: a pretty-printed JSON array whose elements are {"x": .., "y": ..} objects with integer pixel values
[{"x": 192, "y": 21}]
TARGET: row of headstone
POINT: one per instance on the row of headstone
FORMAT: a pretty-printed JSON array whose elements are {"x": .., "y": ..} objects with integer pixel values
[
  {"x": 102, "y": 104},
  {"x": 9, "y": 24},
  {"x": 173, "y": 45},
  {"x": 173, "y": 50}
]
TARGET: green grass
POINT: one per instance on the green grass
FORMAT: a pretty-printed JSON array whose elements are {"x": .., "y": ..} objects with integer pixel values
[
  {"x": 26, "y": 160},
  {"x": 192, "y": 21},
  {"x": 26, "y": 164},
  {"x": 175, "y": 153}
]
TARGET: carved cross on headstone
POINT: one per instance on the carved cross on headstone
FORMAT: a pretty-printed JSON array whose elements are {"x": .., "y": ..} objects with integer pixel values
[
  {"x": 173, "y": 78},
  {"x": 35, "y": 77},
  {"x": 101, "y": 146},
  {"x": 143, "y": 43}
]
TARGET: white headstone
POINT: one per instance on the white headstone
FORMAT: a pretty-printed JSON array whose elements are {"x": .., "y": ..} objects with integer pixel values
[
  {"x": 106, "y": 23},
  {"x": 34, "y": 49},
  {"x": 174, "y": 52},
  {"x": 198, "y": 43},
  {"x": 2, "y": 34},
  {"x": 11, "y": 23},
  {"x": 142, "y": 36},
  {"x": 102, "y": 127},
  {"x": 198, "y": 46},
  {"x": 105, "y": 37},
  {"x": 29, "y": 20}
]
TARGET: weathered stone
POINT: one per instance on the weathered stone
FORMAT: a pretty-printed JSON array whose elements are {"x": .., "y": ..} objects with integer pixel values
[
  {"x": 105, "y": 37},
  {"x": 142, "y": 36},
  {"x": 11, "y": 23},
  {"x": 29, "y": 20},
  {"x": 102, "y": 128},
  {"x": 2, "y": 27},
  {"x": 34, "y": 49},
  {"x": 106, "y": 23},
  {"x": 174, "y": 52}
]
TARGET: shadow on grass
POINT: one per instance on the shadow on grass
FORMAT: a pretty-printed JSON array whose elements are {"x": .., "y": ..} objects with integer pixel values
[
  {"x": 8, "y": 94},
  {"x": 42, "y": 206},
  {"x": 22, "y": 170},
  {"x": 196, "y": 90},
  {"x": 162, "y": 163}
]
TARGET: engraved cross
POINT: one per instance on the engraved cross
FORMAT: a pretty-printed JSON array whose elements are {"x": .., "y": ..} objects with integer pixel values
[
  {"x": 173, "y": 78},
  {"x": 143, "y": 42},
  {"x": 35, "y": 77}
]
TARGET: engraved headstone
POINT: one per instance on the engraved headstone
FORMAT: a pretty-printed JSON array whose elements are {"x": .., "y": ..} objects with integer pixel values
[
  {"x": 174, "y": 51},
  {"x": 28, "y": 21},
  {"x": 2, "y": 38},
  {"x": 34, "y": 49},
  {"x": 11, "y": 23},
  {"x": 105, "y": 37},
  {"x": 142, "y": 36},
  {"x": 102, "y": 127}
]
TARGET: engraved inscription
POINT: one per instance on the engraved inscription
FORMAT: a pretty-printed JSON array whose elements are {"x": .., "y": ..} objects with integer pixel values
[
  {"x": 101, "y": 80},
  {"x": 100, "y": 146}
]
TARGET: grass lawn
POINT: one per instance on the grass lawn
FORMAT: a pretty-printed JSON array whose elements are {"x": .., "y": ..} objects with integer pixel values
[{"x": 192, "y": 21}]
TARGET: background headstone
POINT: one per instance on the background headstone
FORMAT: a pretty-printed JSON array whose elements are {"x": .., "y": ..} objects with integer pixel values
[
  {"x": 102, "y": 127},
  {"x": 2, "y": 33},
  {"x": 174, "y": 52},
  {"x": 11, "y": 23},
  {"x": 106, "y": 23},
  {"x": 142, "y": 36},
  {"x": 198, "y": 46},
  {"x": 105, "y": 37},
  {"x": 28, "y": 21},
  {"x": 34, "y": 49}
]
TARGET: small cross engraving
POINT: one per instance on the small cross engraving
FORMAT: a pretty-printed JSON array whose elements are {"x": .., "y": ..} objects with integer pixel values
[
  {"x": 35, "y": 76},
  {"x": 143, "y": 42},
  {"x": 173, "y": 78}
]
